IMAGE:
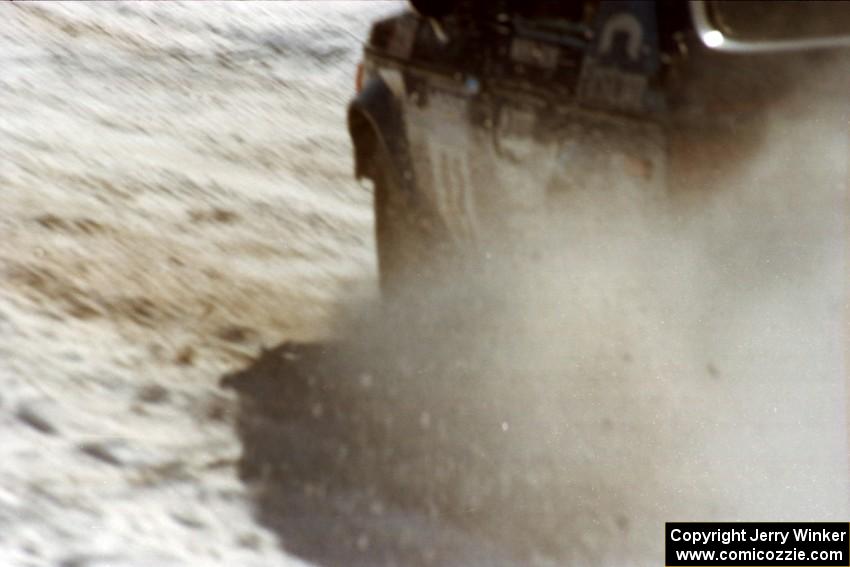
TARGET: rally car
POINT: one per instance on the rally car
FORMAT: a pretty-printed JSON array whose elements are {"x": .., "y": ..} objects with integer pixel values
[{"x": 481, "y": 123}]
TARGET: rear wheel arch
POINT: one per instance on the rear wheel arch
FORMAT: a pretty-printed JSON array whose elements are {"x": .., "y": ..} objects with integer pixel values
[
  {"x": 375, "y": 125},
  {"x": 405, "y": 247}
]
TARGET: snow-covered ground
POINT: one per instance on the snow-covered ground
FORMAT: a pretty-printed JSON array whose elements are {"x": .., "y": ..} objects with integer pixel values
[{"x": 177, "y": 191}]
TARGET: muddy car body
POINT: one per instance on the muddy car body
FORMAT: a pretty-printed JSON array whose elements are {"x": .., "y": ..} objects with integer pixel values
[{"x": 485, "y": 124}]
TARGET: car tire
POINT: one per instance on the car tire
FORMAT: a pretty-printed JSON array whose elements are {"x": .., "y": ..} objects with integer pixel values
[{"x": 404, "y": 236}]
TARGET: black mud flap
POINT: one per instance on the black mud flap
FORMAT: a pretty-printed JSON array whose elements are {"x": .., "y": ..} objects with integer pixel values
[{"x": 375, "y": 124}]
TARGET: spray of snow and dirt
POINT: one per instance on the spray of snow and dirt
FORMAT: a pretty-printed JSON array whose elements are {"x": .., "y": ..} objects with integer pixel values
[{"x": 178, "y": 194}]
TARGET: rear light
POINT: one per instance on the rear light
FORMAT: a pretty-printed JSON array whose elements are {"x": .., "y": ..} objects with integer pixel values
[{"x": 358, "y": 78}]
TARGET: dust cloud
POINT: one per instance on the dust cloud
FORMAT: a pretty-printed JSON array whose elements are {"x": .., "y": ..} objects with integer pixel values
[{"x": 682, "y": 361}]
